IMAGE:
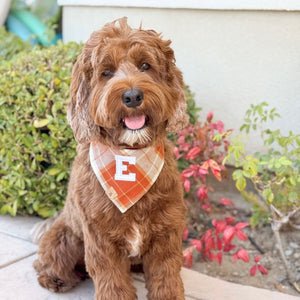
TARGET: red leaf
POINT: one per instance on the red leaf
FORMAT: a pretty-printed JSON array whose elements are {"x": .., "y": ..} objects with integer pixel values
[
  {"x": 181, "y": 140},
  {"x": 187, "y": 185},
  {"x": 205, "y": 165},
  {"x": 218, "y": 125},
  {"x": 176, "y": 152},
  {"x": 206, "y": 206},
  {"x": 209, "y": 254},
  {"x": 202, "y": 193},
  {"x": 187, "y": 258},
  {"x": 219, "y": 243},
  {"x": 229, "y": 220},
  {"x": 194, "y": 167},
  {"x": 192, "y": 154},
  {"x": 185, "y": 234},
  {"x": 228, "y": 234},
  {"x": 235, "y": 257},
  {"x": 187, "y": 173},
  {"x": 197, "y": 243},
  {"x": 209, "y": 116},
  {"x": 213, "y": 256},
  {"x": 221, "y": 225},
  {"x": 243, "y": 255},
  {"x": 207, "y": 235},
  {"x": 257, "y": 258},
  {"x": 185, "y": 147},
  {"x": 210, "y": 244},
  {"x": 241, "y": 225},
  {"x": 202, "y": 171},
  {"x": 253, "y": 270},
  {"x": 217, "y": 257},
  {"x": 262, "y": 270},
  {"x": 226, "y": 202},
  {"x": 217, "y": 174},
  {"x": 215, "y": 169},
  {"x": 241, "y": 235},
  {"x": 228, "y": 248}
]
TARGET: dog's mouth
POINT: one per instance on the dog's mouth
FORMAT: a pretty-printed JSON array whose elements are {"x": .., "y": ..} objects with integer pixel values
[
  {"x": 136, "y": 131},
  {"x": 135, "y": 123}
]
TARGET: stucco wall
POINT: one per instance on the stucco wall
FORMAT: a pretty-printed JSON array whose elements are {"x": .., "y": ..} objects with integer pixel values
[{"x": 229, "y": 58}]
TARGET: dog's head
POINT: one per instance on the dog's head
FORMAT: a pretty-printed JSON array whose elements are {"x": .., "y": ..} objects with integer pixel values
[{"x": 126, "y": 89}]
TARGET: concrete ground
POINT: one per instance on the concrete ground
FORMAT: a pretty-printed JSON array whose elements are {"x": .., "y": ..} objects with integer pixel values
[{"x": 18, "y": 278}]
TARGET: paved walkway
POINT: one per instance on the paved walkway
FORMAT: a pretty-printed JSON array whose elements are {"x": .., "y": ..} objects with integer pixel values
[{"x": 18, "y": 278}]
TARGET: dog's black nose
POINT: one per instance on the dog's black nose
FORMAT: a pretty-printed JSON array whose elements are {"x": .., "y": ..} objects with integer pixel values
[{"x": 133, "y": 98}]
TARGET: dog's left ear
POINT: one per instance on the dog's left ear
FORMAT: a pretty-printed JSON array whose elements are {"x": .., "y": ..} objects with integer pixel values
[{"x": 179, "y": 119}]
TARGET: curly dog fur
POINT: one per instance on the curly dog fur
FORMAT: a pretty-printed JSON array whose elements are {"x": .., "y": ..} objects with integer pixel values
[{"x": 91, "y": 231}]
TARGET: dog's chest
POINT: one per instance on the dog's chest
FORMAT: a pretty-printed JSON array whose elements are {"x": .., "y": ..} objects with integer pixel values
[{"x": 134, "y": 241}]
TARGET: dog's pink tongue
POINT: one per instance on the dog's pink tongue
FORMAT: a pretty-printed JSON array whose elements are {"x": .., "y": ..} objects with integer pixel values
[{"x": 135, "y": 123}]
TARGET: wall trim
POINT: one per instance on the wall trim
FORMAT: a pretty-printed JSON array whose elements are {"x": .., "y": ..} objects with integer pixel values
[{"x": 283, "y": 5}]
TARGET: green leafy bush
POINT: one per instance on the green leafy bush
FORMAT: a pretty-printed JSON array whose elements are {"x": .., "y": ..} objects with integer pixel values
[
  {"x": 275, "y": 174},
  {"x": 37, "y": 145},
  {"x": 11, "y": 45},
  {"x": 192, "y": 109}
]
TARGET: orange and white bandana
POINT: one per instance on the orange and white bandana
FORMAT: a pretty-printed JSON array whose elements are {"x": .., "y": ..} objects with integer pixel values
[{"x": 126, "y": 175}]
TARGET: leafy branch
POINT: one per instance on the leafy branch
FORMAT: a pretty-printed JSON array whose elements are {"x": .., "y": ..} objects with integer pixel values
[{"x": 275, "y": 174}]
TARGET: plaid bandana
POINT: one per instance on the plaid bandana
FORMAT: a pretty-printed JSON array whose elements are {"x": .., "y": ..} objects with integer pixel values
[{"x": 126, "y": 175}]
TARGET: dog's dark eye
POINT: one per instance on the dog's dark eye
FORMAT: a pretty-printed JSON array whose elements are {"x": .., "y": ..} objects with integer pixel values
[
  {"x": 144, "y": 67},
  {"x": 107, "y": 73}
]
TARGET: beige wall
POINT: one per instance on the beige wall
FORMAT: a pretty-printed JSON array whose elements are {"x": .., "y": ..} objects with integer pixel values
[{"x": 229, "y": 58}]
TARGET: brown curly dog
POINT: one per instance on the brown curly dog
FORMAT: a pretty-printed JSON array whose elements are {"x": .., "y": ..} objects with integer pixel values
[{"x": 125, "y": 202}]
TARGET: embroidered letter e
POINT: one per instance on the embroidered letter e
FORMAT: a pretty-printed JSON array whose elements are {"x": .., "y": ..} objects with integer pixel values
[{"x": 120, "y": 168}]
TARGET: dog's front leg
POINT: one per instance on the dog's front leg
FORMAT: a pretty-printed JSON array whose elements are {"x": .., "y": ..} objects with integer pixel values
[
  {"x": 59, "y": 251},
  {"x": 162, "y": 264},
  {"x": 110, "y": 270}
]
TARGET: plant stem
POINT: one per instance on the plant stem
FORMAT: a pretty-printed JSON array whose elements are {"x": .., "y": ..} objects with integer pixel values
[
  {"x": 290, "y": 275},
  {"x": 276, "y": 226}
]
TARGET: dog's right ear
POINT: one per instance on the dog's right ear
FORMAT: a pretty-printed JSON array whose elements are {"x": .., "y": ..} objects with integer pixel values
[{"x": 78, "y": 114}]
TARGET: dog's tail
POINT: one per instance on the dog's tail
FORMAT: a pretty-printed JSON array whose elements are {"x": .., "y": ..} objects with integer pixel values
[{"x": 40, "y": 228}]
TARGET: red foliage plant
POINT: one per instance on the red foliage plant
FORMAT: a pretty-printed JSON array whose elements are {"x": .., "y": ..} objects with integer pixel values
[
  {"x": 258, "y": 266},
  {"x": 200, "y": 150}
]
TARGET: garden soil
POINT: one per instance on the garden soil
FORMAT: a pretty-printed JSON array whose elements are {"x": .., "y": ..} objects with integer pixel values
[{"x": 261, "y": 242}]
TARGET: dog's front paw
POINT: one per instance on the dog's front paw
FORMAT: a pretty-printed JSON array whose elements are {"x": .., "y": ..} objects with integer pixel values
[{"x": 55, "y": 284}]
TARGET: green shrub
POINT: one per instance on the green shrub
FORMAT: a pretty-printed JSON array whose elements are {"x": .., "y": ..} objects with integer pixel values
[
  {"x": 11, "y": 45},
  {"x": 275, "y": 173},
  {"x": 37, "y": 145},
  {"x": 192, "y": 109}
]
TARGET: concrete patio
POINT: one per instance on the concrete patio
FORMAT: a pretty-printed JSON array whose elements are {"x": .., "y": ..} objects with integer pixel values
[{"x": 18, "y": 278}]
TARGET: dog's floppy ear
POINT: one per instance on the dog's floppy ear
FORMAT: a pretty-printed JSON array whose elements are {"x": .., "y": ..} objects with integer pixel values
[
  {"x": 78, "y": 114},
  {"x": 179, "y": 119}
]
